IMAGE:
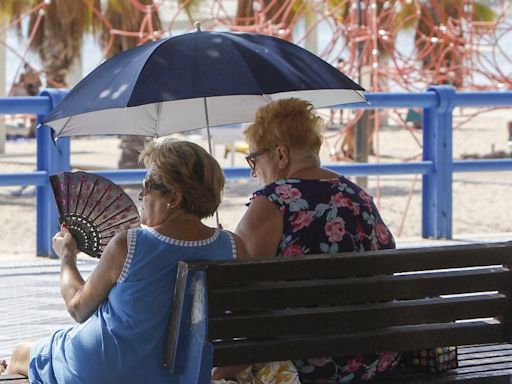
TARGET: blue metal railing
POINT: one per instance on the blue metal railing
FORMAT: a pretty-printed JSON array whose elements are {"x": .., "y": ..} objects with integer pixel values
[{"x": 437, "y": 166}]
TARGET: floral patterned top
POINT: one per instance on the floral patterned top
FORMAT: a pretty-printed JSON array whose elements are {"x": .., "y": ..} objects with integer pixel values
[
  {"x": 326, "y": 216},
  {"x": 330, "y": 216}
]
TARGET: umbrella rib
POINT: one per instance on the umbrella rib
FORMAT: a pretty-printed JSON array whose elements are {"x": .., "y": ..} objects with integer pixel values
[
  {"x": 65, "y": 125},
  {"x": 158, "y": 113},
  {"x": 208, "y": 126}
]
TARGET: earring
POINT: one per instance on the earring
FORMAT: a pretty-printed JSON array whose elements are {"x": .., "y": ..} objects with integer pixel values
[{"x": 168, "y": 205}]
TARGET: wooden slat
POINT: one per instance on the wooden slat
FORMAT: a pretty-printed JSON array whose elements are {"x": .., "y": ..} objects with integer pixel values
[
  {"x": 480, "y": 361},
  {"x": 389, "y": 339},
  {"x": 357, "y": 317},
  {"x": 484, "y": 355},
  {"x": 484, "y": 348},
  {"x": 356, "y": 290},
  {"x": 13, "y": 379},
  {"x": 485, "y": 367},
  {"x": 492, "y": 377},
  {"x": 225, "y": 274}
]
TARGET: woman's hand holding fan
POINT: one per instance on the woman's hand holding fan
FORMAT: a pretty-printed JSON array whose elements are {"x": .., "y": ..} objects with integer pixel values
[{"x": 93, "y": 208}]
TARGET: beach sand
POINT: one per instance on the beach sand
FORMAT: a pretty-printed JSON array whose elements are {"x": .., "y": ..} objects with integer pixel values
[{"x": 482, "y": 202}]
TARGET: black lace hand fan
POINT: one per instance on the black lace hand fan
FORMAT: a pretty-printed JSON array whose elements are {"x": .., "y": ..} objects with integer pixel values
[{"x": 94, "y": 209}]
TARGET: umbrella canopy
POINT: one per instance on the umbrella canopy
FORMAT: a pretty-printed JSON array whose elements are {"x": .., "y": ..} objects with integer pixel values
[{"x": 196, "y": 80}]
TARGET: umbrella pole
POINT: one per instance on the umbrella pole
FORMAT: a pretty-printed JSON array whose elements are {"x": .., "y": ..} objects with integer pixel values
[{"x": 209, "y": 144}]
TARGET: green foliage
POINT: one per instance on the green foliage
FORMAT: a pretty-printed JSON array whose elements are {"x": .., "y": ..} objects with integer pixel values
[{"x": 483, "y": 12}]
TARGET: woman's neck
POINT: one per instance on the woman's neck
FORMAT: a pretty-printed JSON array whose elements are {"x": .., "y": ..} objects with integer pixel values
[
  {"x": 302, "y": 171},
  {"x": 310, "y": 171},
  {"x": 184, "y": 226}
]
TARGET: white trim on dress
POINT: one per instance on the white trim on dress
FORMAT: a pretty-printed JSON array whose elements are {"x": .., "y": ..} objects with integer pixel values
[
  {"x": 233, "y": 244},
  {"x": 185, "y": 243},
  {"x": 131, "y": 240}
]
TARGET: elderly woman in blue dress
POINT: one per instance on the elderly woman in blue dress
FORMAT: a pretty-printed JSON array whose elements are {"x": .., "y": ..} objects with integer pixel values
[{"x": 123, "y": 307}]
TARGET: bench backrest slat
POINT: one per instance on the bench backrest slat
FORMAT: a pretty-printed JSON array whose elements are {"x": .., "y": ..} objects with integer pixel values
[
  {"x": 286, "y": 294},
  {"x": 356, "y": 318},
  {"x": 228, "y": 274},
  {"x": 386, "y": 339}
]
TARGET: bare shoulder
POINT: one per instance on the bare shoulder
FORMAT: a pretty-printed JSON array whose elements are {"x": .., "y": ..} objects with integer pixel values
[
  {"x": 119, "y": 242},
  {"x": 261, "y": 206},
  {"x": 115, "y": 254}
]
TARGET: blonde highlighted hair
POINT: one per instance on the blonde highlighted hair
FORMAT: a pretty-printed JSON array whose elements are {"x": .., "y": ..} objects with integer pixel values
[
  {"x": 187, "y": 168},
  {"x": 289, "y": 122}
]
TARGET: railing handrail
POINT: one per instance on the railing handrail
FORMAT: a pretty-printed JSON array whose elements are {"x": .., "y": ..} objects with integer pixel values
[{"x": 436, "y": 167}]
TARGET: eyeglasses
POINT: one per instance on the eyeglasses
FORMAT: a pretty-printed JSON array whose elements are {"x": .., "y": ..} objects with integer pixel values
[
  {"x": 151, "y": 186},
  {"x": 251, "y": 156}
]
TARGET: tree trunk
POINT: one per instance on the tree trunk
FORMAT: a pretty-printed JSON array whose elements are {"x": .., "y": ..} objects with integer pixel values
[{"x": 131, "y": 146}]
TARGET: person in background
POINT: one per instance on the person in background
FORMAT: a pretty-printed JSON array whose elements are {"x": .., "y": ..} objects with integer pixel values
[
  {"x": 340, "y": 66},
  {"x": 123, "y": 308}
]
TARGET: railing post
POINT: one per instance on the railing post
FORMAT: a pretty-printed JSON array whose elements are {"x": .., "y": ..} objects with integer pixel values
[
  {"x": 52, "y": 158},
  {"x": 437, "y": 147}
]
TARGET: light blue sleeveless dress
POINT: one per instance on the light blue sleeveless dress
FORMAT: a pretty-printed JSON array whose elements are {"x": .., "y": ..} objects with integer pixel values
[{"x": 124, "y": 340}]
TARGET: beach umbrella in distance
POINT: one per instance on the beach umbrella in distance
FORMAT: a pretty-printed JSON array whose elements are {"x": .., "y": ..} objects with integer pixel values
[{"x": 196, "y": 80}]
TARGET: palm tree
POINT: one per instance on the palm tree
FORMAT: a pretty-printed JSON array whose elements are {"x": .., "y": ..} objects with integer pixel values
[
  {"x": 56, "y": 31},
  {"x": 124, "y": 16}
]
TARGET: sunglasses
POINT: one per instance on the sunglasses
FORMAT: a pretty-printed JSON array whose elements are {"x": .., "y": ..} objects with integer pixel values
[
  {"x": 251, "y": 156},
  {"x": 152, "y": 186}
]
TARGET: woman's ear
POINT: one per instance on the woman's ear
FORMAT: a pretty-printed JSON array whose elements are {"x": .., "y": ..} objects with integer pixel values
[
  {"x": 176, "y": 199},
  {"x": 283, "y": 156}
]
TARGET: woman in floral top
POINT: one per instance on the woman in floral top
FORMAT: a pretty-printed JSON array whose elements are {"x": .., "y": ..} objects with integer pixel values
[{"x": 306, "y": 209}]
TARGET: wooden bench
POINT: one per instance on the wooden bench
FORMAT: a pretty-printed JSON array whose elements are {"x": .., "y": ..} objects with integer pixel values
[
  {"x": 327, "y": 305},
  {"x": 227, "y": 313}
]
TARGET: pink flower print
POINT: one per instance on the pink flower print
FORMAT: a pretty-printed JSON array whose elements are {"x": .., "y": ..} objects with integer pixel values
[
  {"x": 354, "y": 363},
  {"x": 366, "y": 197},
  {"x": 335, "y": 229},
  {"x": 385, "y": 361},
  {"x": 301, "y": 219},
  {"x": 287, "y": 192},
  {"x": 382, "y": 232},
  {"x": 339, "y": 200},
  {"x": 320, "y": 361},
  {"x": 292, "y": 250}
]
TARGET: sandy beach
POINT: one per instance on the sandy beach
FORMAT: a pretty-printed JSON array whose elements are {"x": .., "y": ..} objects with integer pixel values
[{"x": 482, "y": 204}]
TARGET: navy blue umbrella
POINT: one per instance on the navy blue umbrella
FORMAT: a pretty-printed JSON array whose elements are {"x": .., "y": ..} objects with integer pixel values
[{"x": 196, "y": 80}]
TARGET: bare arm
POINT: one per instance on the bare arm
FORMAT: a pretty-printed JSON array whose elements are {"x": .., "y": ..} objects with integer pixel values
[
  {"x": 261, "y": 228},
  {"x": 82, "y": 298}
]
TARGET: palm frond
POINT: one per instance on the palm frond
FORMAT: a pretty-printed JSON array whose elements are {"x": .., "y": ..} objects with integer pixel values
[
  {"x": 124, "y": 16},
  {"x": 482, "y": 12},
  {"x": 191, "y": 8}
]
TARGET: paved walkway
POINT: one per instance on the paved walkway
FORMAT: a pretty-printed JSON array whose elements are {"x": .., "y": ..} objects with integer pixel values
[
  {"x": 30, "y": 301},
  {"x": 32, "y": 307}
]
